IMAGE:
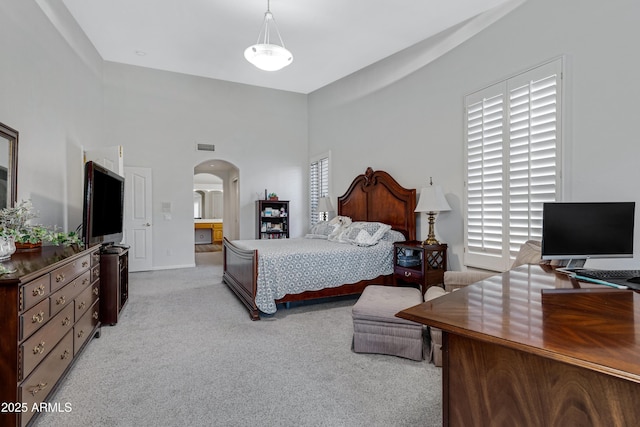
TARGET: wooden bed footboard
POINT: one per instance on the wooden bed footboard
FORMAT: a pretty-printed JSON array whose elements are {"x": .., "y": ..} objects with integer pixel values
[{"x": 241, "y": 275}]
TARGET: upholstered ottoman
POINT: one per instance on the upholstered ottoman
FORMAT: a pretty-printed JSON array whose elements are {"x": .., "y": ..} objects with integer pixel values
[{"x": 376, "y": 329}]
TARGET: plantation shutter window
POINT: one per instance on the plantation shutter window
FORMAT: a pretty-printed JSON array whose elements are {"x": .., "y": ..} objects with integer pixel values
[
  {"x": 318, "y": 186},
  {"x": 512, "y": 161}
]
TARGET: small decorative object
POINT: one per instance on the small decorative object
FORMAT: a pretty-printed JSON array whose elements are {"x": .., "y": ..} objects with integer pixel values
[
  {"x": 16, "y": 229},
  {"x": 273, "y": 196}
]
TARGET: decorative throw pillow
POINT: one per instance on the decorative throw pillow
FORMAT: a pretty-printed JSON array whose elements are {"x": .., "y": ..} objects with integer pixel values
[
  {"x": 322, "y": 228},
  {"x": 365, "y": 233},
  {"x": 393, "y": 236}
]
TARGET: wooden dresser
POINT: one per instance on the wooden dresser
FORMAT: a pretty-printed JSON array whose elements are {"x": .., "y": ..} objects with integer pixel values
[{"x": 49, "y": 310}]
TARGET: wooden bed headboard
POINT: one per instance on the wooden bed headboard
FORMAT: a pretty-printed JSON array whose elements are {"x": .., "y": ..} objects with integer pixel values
[{"x": 376, "y": 196}]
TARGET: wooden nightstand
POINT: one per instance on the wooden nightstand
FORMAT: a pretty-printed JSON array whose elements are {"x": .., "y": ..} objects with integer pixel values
[{"x": 416, "y": 263}]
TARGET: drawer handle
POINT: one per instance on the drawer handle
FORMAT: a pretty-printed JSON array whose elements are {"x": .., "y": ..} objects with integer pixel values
[
  {"x": 96, "y": 291},
  {"x": 85, "y": 264},
  {"x": 81, "y": 333},
  {"x": 39, "y": 349},
  {"x": 407, "y": 274},
  {"x": 95, "y": 315},
  {"x": 38, "y": 317},
  {"x": 85, "y": 281},
  {"x": 66, "y": 321},
  {"x": 38, "y": 291},
  {"x": 81, "y": 305},
  {"x": 65, "y": 355},
  {"x": 38, "y": 388},
  {"x": 60, "y": 300},
  {"x": 60, "y": 278}
]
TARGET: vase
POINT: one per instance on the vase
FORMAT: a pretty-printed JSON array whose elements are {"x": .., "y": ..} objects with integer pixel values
[{"x": 7, "y": 248}]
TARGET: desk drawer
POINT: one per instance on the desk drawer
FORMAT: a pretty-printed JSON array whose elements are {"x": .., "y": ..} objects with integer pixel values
[
  {"x": 63, "y": 296},
  {"x": 84, "y": 326},
  {"x": 36, "y": 348},
  {"x": 38, "y": 385},
  {"x": 63, "y": 275},
  {"x": 30, "y": 321},
  {"x": 34, "y": 291}
]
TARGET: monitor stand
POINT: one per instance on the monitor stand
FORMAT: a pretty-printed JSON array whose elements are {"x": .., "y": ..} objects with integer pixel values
[{"x": 572, "y": 264}]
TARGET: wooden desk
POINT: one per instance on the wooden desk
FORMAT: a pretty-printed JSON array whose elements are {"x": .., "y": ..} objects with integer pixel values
[{"x": 510, "y": 359}]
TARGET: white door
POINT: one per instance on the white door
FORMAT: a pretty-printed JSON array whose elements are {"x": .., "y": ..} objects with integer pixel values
[
  {"x": 138, "y": 228},
  {"x": 109, "y": 157}
]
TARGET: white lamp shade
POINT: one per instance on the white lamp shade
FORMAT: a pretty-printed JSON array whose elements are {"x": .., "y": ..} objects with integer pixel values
[
  {"x": 268, "y": 57},
  {"x": 324, "y": 205},
  {"x": 432, "y": 200}
]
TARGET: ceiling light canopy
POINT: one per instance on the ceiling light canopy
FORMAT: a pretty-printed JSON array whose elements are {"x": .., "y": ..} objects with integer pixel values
[{"x": 265, "y": 55}]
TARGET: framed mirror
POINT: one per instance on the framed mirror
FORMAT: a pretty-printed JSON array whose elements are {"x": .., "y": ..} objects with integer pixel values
[{"x": 8, "y": 166}]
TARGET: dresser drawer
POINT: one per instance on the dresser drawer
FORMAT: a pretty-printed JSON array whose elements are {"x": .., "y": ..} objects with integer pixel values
[
  {"x": 95, "y": 259},
  {"x": 86, "y": 299},
  {"x": 65, "y": 295},
  {"x": 38, "y": 385},
  {"x": 31, "y": 320},
  {"x": 36, "y": 348},
  {"x": 95, "y": 273},
  {"x": 33, "y": 292},
  {"x": 63, "y": 275},
  {"x": 84, "y": 326}
]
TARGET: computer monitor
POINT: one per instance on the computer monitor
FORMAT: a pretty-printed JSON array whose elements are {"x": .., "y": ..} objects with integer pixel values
[{"x": 576, "y": 231}]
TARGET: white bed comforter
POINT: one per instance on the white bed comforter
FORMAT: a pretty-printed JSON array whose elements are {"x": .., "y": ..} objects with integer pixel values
[{"x": 292, "y": 266}]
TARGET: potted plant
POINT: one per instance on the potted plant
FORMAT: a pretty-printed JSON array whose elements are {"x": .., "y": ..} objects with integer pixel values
[
  {"x": 273, "y": 196},
  {"x": 15, "y": 226}
]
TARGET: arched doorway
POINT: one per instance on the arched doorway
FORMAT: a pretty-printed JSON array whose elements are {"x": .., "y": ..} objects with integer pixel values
[{"x": 216, "y": 198}]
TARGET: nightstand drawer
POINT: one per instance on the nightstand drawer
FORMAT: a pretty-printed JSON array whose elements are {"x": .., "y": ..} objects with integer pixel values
[{"x": 408, "y": 273}]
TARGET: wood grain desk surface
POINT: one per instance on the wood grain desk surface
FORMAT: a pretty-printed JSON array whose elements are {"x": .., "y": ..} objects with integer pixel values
[{"x": 597, "y": 328}]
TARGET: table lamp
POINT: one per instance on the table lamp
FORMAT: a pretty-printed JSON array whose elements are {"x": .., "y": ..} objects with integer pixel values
[
  {"x": 324, "y": 207},
  {"x": 431, "y": 202}
]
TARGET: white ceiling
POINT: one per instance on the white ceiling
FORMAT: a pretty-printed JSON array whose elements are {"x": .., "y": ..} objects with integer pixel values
[{"x": 329, "y": 39}]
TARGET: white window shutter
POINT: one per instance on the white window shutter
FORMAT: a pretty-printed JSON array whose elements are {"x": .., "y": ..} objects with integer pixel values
[
  {"x": 318, "y": 185},
  {"x": 512, "y": 163}
]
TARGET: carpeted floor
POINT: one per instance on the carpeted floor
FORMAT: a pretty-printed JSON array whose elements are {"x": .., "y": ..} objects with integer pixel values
[{"x": 185, "y": 353}]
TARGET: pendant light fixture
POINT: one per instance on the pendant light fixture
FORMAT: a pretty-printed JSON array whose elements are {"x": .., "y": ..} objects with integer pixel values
[{"x": 265, "y": 55}]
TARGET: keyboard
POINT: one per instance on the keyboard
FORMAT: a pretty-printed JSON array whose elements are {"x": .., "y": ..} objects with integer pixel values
[{"x": 608, "y": 274}]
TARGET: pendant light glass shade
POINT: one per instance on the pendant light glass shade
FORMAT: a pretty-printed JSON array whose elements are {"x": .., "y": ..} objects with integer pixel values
[{"x": 264, "y": 54}]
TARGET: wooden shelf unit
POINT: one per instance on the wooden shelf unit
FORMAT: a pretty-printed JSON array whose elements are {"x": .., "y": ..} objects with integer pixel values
[
  {"x": 114, "y": 274},
  {"x": 272, "y": 219}
]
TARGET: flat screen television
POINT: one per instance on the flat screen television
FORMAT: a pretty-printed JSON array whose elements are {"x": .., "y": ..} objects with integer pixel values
[
  {"x": 577, "y": 231},
  {"x": 103, "y": 210}
]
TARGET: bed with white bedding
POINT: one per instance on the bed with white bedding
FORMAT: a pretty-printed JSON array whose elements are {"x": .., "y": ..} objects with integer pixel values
[
  {"x": 293, "y": 266},
  {"x": 263, "y": 273}
]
